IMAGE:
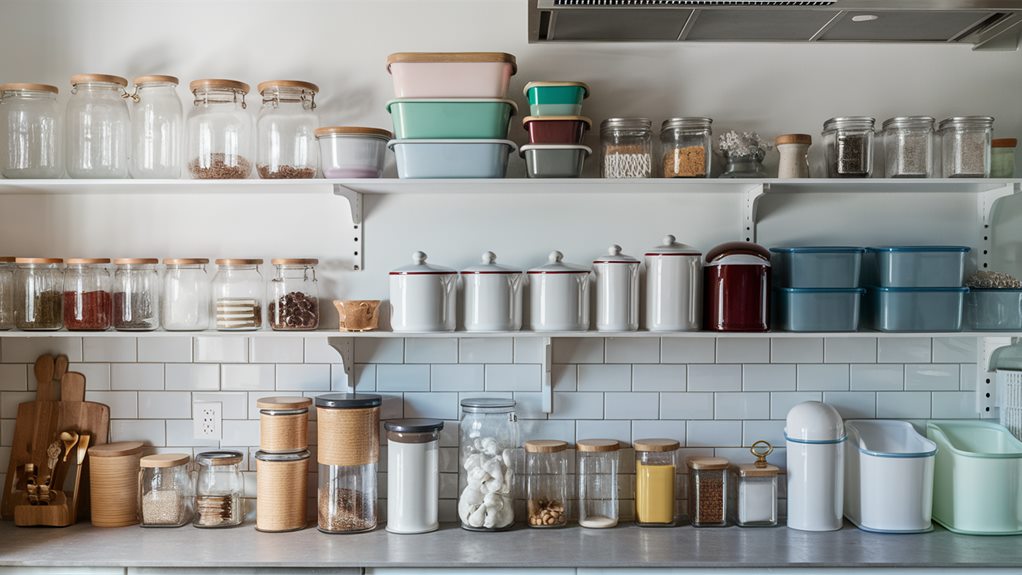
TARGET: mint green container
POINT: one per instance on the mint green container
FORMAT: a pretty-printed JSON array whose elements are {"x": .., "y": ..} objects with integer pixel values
[
  {"x": 977, "y": 479},
  {"x": 455, "y": 119},
  {"x": 556, "y": 98}
]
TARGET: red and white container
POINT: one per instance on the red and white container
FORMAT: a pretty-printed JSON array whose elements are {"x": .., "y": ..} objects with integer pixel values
[
  {"x": 451, "y": 74},
  {"x": 559, "y": 296},
  {"x": 493, "y": 296},
  {"x": 423, "y": 297},
  {"x": 738, "y": 287},
  {"x": 617, "y": 291},
  {"x": 674, "y": 287}
]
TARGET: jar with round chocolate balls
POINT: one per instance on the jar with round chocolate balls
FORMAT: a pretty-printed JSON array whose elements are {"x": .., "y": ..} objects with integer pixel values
[{"x": 293, "y": 299}]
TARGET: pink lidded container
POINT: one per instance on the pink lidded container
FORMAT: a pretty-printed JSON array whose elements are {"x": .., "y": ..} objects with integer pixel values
[
  {"x": 451, "y": 74},
  {"x": 352, "y": 151}
]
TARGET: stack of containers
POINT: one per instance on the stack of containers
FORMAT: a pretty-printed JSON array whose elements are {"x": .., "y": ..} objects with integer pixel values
[
  {"x": 556, "y": 129},
  {"x": 817, "y": 288},
  {"x": 282, "y": 463},
  {"x": 451, "y": 114},
  {"x": 919, "y": 288}
]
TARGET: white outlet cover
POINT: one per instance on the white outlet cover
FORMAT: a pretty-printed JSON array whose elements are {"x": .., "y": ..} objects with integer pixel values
[{"x": 207, "y": 419}]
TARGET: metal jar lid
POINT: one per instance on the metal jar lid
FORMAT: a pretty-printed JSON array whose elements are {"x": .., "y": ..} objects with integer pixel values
[
  {"x": 282, "y": 457},
  {"x": 480, "y": 404},
  {"x": 849, "y": 123},
  {"x": 967, "y": 122},
  {"x": 415, "y": 425},
  {"x": 348, "y": 400},
  {"x": 611, "y": 124},
  {"x": 219, "y": 458},
  {"x": 686, "y": 123},
  {"x": 923, "y": 122}
]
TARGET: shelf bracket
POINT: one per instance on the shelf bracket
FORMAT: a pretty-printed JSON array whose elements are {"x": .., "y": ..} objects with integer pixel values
[
  {"x": 750, "y": 203},
  {"x": 547, "y": 386},
  {"x": 355, "y": 204},
  {"x": 345, "y": 346},
  {"x": 986, "y": 383},
  {"x": 985, "y": 211}
]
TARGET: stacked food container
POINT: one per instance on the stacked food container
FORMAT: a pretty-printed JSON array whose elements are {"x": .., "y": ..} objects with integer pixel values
[
  {"x": 282, "y": 463},
  {"x": 556, "y": 129},
  {"x": 919, "y": 288},
  {"x": 451, "y": 114},
  {"x": 817, "y": 288}
]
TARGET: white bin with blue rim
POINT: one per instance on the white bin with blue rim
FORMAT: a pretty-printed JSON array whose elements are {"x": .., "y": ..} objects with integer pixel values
[
  {"x": 888, "y": 477},
  {"x": 814, "y": 433}
]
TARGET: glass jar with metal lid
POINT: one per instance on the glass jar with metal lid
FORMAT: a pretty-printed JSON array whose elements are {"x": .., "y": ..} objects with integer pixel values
[
  {"x": 965, "y": 146},
  {"x": 286, "y": 130},
  {"x": 546, "y": 462},
  {"x": 238, "y": 291},
  {"x": 413, "y": 475},
  {"x": 293, "y": 298},
  {"x": 88, "y": 304},
  {"x": 7, "y": 289},
  {"x": 164, "y": 490},
  {"x": 283, "y": 424},
  {"x": 489, "y": 438},
  {"x": 157, "y": 123},
  {"x": 33, "y": 136},
  {"x": 708, "y": 491},
  {"x": 349, "y": 455},
  {"x": 754, "y": 490},
  {"x": 136, "y": 294},
  {"x": 1002, "y": 157},
  {"x": 218, "y": 488},
  {"x": 220, "y": 131},
  {"x": 39, "y": 299},
  {"x": 686, "y": 148},
  {"x": 281, "y": 491},
  {"x": 597, "y": 482},
  {"x": 908, "y": 147},
  {"x": 657, "y": 467},
  {"x": 185, "y": 294},
  {"x": 627, "y": 148},
  {"x": 849, "y": 146},
  {"x": 97, "y": 127}
]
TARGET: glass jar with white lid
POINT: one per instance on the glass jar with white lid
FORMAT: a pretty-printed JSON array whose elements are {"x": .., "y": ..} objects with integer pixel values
[
  {"x": 97, "y": 127},
  {"x": 286, "y": 130},
  {"x": 32, "y": 131},
  {"x": 185, "y": 294},
  {"x": 156, "y": 128},
  {"x": 220, "y": 131},
  {"x": 238, "y": 291}
]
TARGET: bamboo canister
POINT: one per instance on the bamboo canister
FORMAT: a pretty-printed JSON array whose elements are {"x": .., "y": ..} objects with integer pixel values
[
  {"x": 349, "y": 428},
  {"x": 113, "y": 482},
  {"x": 282, "y": 487},
  {"x": 283, "y": 424}
]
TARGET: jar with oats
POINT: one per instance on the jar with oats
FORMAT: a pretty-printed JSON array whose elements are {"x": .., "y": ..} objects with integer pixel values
[
  {"x": 286, "y": 130},
  {"x": 627, "y": 148},
  {"x": 219, "y": 131},
  {"x": 686, "y": 147},
  {"x": 164, "y": 490}
]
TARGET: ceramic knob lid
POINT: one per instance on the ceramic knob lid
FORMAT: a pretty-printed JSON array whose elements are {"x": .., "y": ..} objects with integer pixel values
[
  {"x": 419, "y": 258},
  {"x": 488, "y": 265},
  {"x": 555, "y": 257},
  {"x": 419, "y": 266},
  {"x": 489, "y": 258},
  {"x": 671, "y": 246},
  {"x": 614, "y": 256},
  {"x": 556, "y": 264}
]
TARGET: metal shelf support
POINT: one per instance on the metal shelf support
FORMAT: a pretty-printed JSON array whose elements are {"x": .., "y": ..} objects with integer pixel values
[
  {"x": 355, "y": 205},
  {"x": 345, "y": 346},
  {"x": 750, "y": 203},
  {"x": 986, "y": 202}
]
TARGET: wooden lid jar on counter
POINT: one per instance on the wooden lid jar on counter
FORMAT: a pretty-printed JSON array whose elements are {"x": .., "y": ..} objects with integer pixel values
[
  {"x": 283, "y": 424},
  {"x": 282, "y": 486},
  {"x": 113, "y": 483}
]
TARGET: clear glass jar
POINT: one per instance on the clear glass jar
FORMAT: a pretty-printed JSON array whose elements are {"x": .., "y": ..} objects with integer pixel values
[
  {"x": 218, "y": 488},
  {"x": 546, "y": 463},
  {"x": 88, "y": 305},
  {"x": 164, "y": 490},
  {"x": 793, "y": 155},
  {"x": 657, "y": 484},
  {"x": 38, "y": 301},
  {"x": 413, "y": 475},
  {"x": 908, "y": 147},
  {"x": 708, "y": 491},
  {"x": 293, "y": 298},
  {"x": 849, "y": 146},
  {"x": 136, "y": 294},
  {"x": 627, "y": 148},
  {"x": 597, "y": 482},
  {"x": 7, "y": 289},
  {"x": 965, "y": 146},
  {"x": 32, "y": 132},
  {"x": 238, "y": 290},
  {"x": 97, "y": 127},
  {"x": 185, "y": 294},
  {"x": 489, "y": 438},
  {"x": 157, "y": 121},
  {"x": 219, "y": 131},
  {"x": 1002, "y": 157},
  {"x": 686, "y": 147},
  {"x": 348, "y": 454},
  {"x": 754, "y": 490},
  {"x": 286, "y": 130}
]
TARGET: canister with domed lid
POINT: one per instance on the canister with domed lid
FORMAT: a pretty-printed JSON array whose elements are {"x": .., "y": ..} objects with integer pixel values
[
  {"x": 814, "y": 433},
  {"x": 617, "y": 291},
  {"x": 559, "y": 296},
  {"x": 674, "y": 287},
  {"x": 423, "y": 297},
  {"x": 493, "y": 296}
]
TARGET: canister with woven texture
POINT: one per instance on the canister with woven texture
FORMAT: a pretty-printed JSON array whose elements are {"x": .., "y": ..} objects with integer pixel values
[
  {"x": 283, "y": 424},
  {"x": 348, "y": 453},
  {"x": 113, "y": 483},
  {"x": 281, "y": 490}
]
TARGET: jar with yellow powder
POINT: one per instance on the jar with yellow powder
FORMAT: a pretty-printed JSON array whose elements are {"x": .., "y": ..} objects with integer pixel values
[{"x": 656, "y": 482}]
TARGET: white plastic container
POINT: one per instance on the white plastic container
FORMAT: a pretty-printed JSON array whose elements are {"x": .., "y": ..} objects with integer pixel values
[
  {"x": 413, "y": 475},
  {"x": 888, "y": 477},
  {"x": 617, "y": 291},
  {"x": 451, "y": 74},
  {"x": 674, "y": 287},
  {"x": 352, "y": 151},
  {"x": 814, "y": 434},
  {"x": 493, "y": 296},
  {"x": 423, "y": 297},
  {"x": 559, "y": 296}
]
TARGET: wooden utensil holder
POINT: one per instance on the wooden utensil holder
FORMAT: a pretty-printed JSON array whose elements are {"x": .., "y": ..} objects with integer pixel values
[{"x": 56, "y": 514}]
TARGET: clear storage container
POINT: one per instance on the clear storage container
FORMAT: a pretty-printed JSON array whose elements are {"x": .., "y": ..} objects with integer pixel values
[
  {"x": 920, "y": 266},
  {"x": 7, "y": 289},
  {"x": 597, "y": 482},
  {"x": 546, "y": 462},
  {"x": 849, "y": 146},
  {"x": 686, "y": 147},
  {"x": 657, "y": 484},
  {"x": 489, "y": 438},
  {"x": 157, "y": 123},
  {"x": 994, "y": 309},
  {"x": 32, "y": 131},
  {"x": 88, "y": 304},
  {"x": 1002, "y": 157},
  {"x": 917, "y": 309},
  {"x": 238, "y": 290},
  {"x": 220, "y": 131},
  {"x": 286, "y": 130},
  {"x": 908, "y": 147},
  {"x": 965, "y": 146},
  {"x": 39, "y": 299},
  {"x": 353, "y": 151},
  {"x": 754, "y": 490},
  {"x": 793, "y": 155},
  {"x": 816, "y": 266},
  {"x": 708, "y": 491},
  {"x": 97, "y": 127},
  {"x": 627, "y": 148},
  {"x": 218, "y": 488},
  {"x": 293, "y": 298},
  {"x": 164, "y": 490},
  {"x": 136, "y": 294},
  {"x": 413, "y": 475},
  {"x": 349, "y": 454},
  {"x": 817, "y": 309},
  {"x": 185, "y": 294}
]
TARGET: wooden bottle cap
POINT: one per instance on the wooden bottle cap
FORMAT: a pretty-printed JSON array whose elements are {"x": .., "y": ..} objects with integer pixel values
[
  {"x": 545, "y": 446},
  {"x": 117, "y": 449},
  {"x": 656, "y": 445},
  {"x": 598, "y": 445},
  {"x": 708, "y": 463},
  {"x": 283, "y": 402},
  {"x": 161, "y": 460}
]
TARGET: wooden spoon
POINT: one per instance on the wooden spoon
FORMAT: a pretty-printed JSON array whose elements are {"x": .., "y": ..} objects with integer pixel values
[
  {"x": 83, "y": 446},
  {"x": 59, "y": 369},
  {"x": 44, "y": 368},
  {"x": 70, "y": 439}
]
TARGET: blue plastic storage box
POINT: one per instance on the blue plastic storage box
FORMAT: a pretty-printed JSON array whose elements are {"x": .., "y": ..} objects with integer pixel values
[
  {"x": 994, "y": 309},
  {"x": 917, "y": 309},
  {"x": 920, "y": 266},
  {"x": 818, "y": 309},
  {"x": 816, "y": 266}
]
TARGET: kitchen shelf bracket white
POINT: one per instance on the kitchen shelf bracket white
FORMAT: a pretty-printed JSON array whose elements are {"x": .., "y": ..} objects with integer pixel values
[
  {"x": 546, "y": 385},
  {"x": 345, "y": 346},
  {"x": 356, "y": 206},
  {"x": 986, "y": 202},
  {"x": 750, "y": 204},
  {"x": 986, "y": 382}
]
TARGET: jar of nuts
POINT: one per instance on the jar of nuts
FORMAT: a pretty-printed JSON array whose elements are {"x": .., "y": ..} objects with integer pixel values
[
  {"x": 685, "y": 147},
  {"x": 547, "y": 465},
  {"x": 707, "y": 491}
]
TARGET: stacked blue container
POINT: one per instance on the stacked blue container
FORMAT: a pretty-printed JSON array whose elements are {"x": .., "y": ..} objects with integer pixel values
[
  {"x": 920, "y": 288},
  {"x": 817, "y": 288}
]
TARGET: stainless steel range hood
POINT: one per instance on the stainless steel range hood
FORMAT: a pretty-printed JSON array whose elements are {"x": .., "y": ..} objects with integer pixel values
[{"x": 984, "y": 24}]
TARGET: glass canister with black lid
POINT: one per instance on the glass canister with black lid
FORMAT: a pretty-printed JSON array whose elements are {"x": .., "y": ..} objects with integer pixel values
[
  {"x": 348, "y": 454},
  {"x": 489, "y": 439}
]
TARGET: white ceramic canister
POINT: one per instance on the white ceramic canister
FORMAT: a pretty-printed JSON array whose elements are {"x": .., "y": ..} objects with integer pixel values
[
  {"x": 493, "y": 296},
  {"x": 814, "y": 434},
  {"x": 559, "y": 296},
  {"x": 617, "y": 291},
  {"x": 423, "y": 297},
  {"x": 674, "y": 287}
]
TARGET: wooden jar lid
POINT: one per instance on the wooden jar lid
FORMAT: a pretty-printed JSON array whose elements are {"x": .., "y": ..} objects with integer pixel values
[
  {"x": 28, "y": 86},
  {"x": 278, "y": 84},
  {"x": 98, "y": 78},
  {"x": 38, "y": 260},
  {"x": 7, "y": 259},
  {"x": 155, "y": 79},
  {"x": 165, "y": 460},
  {"x": 545, "y": 446},
  {"x": 804, "y": 139},
  {"x": 239, "y": 262},
  {"x": 218, "y": 84},
  {"x": 1004, "y": 143},
  {"x": 294, "y": 261},
  {"x": 752, "y": 470},
  {"x": 80, "y": 261},
  {"x": 117, "y": 449},
  {"x": 135, "y": 261},
  {"x": 185, "y": 261},
  {"x": 708, "y": 463},
  {"x": 656, "y": 445},
  {"x": 598, "y": 445},
  {"x": 283, "y": 402}
]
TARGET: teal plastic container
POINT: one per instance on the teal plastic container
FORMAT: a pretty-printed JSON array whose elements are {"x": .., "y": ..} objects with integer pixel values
[
  {"x": 556, "y": 98},
  {"x": 460, "y": 119},
  {"x": 977, "y": 480}
]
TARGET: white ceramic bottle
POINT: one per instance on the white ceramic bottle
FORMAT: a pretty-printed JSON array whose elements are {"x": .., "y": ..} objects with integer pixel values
[
  {"x": 814, "y": 434},
  {"x": 423, "y": 297},
  {"x": 559, "y": 296},
  {"x": 674, "y": 287},
  {"x": 493, "y": 296},
  {"x": 617, "y": 291}
]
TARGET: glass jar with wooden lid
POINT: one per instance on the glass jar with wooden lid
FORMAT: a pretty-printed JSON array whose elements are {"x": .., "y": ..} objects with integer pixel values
[
  {"x": 546, "y": 462},
  {"x": 1002, "y": 157},
  {"x": 218, "y": 488},
  {"x": 33, "y": 139},
  {"x": 286, "y": 130},
  {"x": 349, "y": 454},
  {"x": 754, "y": 490},
  {"x": 597, "y": 482},
  {"x": 7, "y": 288},
  {"x": 136, "y": 294},
  {"x": 97, "y": 127},
  {"x": 164, "y": 490},
  {"x": 283, "y": 424},
  {"x": 708, "y": 491},
  {"x": 157, "y": 128},
  {"x": 88, "y": 304},
  {"x": 185, "y": 294},
  {"x": 293, "y": 298},
  {"x": 220, "y": 131},
  {"x": 656, "y": 482},
  {"x": 113, "y": 483},
  {"x": 39, "y": 297},
  {"x": 238, "y": 291}
]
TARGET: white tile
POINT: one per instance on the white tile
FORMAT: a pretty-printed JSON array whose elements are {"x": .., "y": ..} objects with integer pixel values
[
  {"x": 822, "y": 377},
  {"x": 365, "y": 377},
  {"x": 220, "y": 349},
  {"x": 632, "y": 350},
  {"x": 164, "y": 405},
  {"x": 512, "y": 377},
  {"x": 438, "y": 405},
  {"x": 663, "y": 377},
  {"x": 233, "y": 405},
  {"x": 123, "y": 404},
  {"x": 686, "y": 405},
  {"x": 968, "y": 376},
  {"x": 743, "y": 350},
  {"x": 303, "y": 377},
  {"x": 27, "y": 349},
  {"x": 276, "y": 350},
  {"x": 97, "y": 375},
  {"x": 393, "y": 406},
  {"x": 574, "y": 350},
  {"x": 741, "y": 405},
  {"x": 579, "y": 405},
  {"x": 486, "y": 350},
  {"x": 796, "y": 350},
  {"x": 454, "y": 377},
  {"x": 152, "y": 432},
  {"x": 9, "y": 401},
  {"x": 165, "y": 349},
  {"x": 768, "y": 377},
  {"x": 631, "y": 405},
  {"x": 619, "y": 430},
  {"x": 667, "y": 429},
  {"x": 852, "y": 404},
  {"x": 564, "y": 377},
  {"x": 903, "y": 405},
  {"x": 402, "y": 377},
  {"x": 877, "y": 377},
  {"x": 14, "y": 377},
  {"x": 714, "y": 434},
  {"x": 850, "y": 350},
  {"x": 431, "y": 350},
  {"x": 771, "y": 431},
  {"x": 529, "y": 405},
  {"x": 953, "y": 405},
  {"x": 932, "y": 377},
  {"x": 113, "y": 349},
  {"x": 180, "y": 433},
  {"x": 382, "y": 350},
  {"x": 192, "y": 376},
  {"x": 593, "y": 377},
  {"x": 240, "y": 433},
  {"x": 547, "y": 429},
  {"x": 714, "y": 378},
  {"x": 318, "y": 350},
  {"x": 129, "y": 376},
  {"x": 954, "y": 349},
  {"x": 782, "y": 402},
  {"x": 247, "y": 377},
  {"x": 903, "y": 350},
  {"x": 529, "y": 350},
  {"x": 688, "y": 350}
]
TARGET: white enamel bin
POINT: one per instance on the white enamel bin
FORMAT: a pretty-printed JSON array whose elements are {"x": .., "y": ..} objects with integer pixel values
[
  {"x": 423, "y": 297},
  {"x": 559, "y": 296},
  {"x": 493, "y": 296},
  {"x": 617, "y": 291},
  {"x": 674, "y": 287}
]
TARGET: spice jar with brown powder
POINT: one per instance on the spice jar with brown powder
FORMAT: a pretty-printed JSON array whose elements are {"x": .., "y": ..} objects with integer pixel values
[
  {"x": 708, "y": 491},
  {"x": 286, "y": 130},
  {"x": 219, "y": 131},
  {"x": 39, "y": 297},
  {"x": 685, "y": 146}
]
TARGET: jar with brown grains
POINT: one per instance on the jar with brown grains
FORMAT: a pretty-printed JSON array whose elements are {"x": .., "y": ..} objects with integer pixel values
[
  {"x": 686, "y": 149},
  {"x": 708, "y": 491},
  {"x": 219, "y": 131},
  {"x": 286, "y": 130}
]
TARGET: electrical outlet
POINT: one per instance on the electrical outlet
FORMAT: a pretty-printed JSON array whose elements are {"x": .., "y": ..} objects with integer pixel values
[{"x": 207, "y": 420}]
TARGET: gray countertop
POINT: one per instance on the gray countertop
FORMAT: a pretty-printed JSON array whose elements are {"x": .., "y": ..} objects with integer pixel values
[{"x": 626, "y": 546}]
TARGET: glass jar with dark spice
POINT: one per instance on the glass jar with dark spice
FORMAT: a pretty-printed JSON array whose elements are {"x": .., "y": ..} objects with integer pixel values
[
  {"x": 286, "y": 130},
  {"x": 965, "y": 146},
  {"x": 38, "y": 301},
  {"x": 6, "y": 293},
  {"x": 136, "y": 294},
  {"x": 908, "y": 147},
  {"x": 849, "y": 146},
  {"x": 293, "y": 298},
  {"x": 219, "y": 131},
  {"x": 88, "y": 305},
  {"x": 238, "y": 291},
  {"x": 708, "y": 491}
]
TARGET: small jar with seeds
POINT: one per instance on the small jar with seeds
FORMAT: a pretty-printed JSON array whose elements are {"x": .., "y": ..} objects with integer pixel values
[
  {"x": 965, "y": 146},
  {"x": 908, "y": 147},
  {"x": 546, "y": 463},
  {"x": 708, "y": 491},
  {"x": 286, "y": 130},
  {"x": 685, "y": 147},
  {"x": 849, "y": 146},
  {"x": 220, "y": 131}
]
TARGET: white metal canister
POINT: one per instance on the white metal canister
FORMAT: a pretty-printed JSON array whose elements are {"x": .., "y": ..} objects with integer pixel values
[
  {"x": 559, "y": 296},
  {"x": 814, "y": 434},
  {"x": 493, "y": 296},
  {"x": 617, "y": 291},
  {"x": 674, "y": 287},
  {"x": 423, "y": 297}
]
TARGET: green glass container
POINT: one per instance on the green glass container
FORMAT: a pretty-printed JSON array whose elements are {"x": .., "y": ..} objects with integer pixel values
[{"x": 1002, "y": 157}]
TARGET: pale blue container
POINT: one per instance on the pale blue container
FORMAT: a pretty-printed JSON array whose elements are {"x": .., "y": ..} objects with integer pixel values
[
  {"x": 917, "y": 309},
  {"x": 817, "y": 309},
  {"x": 920, "y": 266},
  {"x": 452, "y": 158},
  {"x": 994, "y": 309},
  {"x": 816, "y": 266}
]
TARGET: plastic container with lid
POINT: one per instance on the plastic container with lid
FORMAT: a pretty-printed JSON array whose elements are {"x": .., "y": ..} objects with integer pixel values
[
  {"x": 97, "y": 127},
  {"x": 39, "y": 294},
  {"x": 423, "y": 297},
  {"x": 627, "y": 148},
  {"x": 793, "y": 155},
  {"x": 1002, "y": 157},
  {"x": 283, "y": 424},
  {"x": 185, "y": 294},
  {"x": 352, "y": 151},
  {"x": 555, "y": 98},
  {"x": 754, "y": 490},
  {"x": 674, "y": 287},
  {"x": 164, "y": 490},
  {"x": 555, "y": 160},
  {"x": 281, "y": 488},
  {"x": 466, "y": 158},
  {"x": 686, "y": 147},
  {"x": 617, "y": 291},
  {"x": 136, "y": 294},
  {"x": 88, "y": 304},
  {"x": 849, "y": 146},
  {"x": 451, "y": 74},
  {"x": 598, "y": 461},
  {"x": 657, "y": 482},
  {"x": 293, "y": 298},
  {"x": 908, "y": 147},
  {"x": 920, "y": 266},
  {"x": 31, "y": 131},
  {"x": 559, "y": 296},
  {"x": 218, "y": 489},
  {"x": 114, "y": 484},
  {"x": 546, "y": 462},
  {"x": 238, "y": 292},
  {"x": 157, "y": 126},
  {"x": 556, "y": 129},
  {"x": 413, "y": 475},
  {"x": 7, "y": 289},
  {"x": 451, "y": 118},
  {"x": 349, "y": 455},
  {"x": 489, "y": 440},
  {"x": 816, "y": 266},
  {"x": 738, "y": 287},
  {"x": 917, "y": 309},
  {"x": 493, "y": 296},
  {"x": 817, "y": 309},
  {"x": 965, "y": 146},
  {"x": 708, "y": 486},
  {"x": 220, "y": 131},
  {"x": 994, "y": 309},
  {"x": 286, "y": 130},
  {"x": 814, "y": 433}
]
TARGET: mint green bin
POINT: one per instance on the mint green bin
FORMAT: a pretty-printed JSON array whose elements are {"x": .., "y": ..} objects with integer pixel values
[
  {"x": 977, "y": 478},
  {"x": 454, "y": 119},
  {"x": 555, "y": 98}
]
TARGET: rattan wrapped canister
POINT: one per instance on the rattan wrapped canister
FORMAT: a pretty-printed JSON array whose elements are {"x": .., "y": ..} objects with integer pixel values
[
  {"x": 281, "y": 490},
  {"x": 113, "y": 483},
  {"x": 283, "y": 424},
  {"x": 348, "y": 453}
]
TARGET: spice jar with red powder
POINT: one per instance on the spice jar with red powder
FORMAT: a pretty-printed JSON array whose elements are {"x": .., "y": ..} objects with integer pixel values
[{"x": 87, "y": 302}]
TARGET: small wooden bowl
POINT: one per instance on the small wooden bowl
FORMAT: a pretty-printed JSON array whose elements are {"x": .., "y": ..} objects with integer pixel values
[{"x": 358, "y": 314}]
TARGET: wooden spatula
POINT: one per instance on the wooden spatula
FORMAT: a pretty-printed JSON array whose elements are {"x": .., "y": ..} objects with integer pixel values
[
  {"x": 44, "y": 368},
  {"x": 72, "y": 387}
]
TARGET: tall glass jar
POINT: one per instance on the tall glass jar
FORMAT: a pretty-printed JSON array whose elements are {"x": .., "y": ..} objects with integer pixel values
[
  {"x": 793, "y": 155},
  {"x": 546, "y": 462},
  {"x": 908, "y": 147},
  {"x": 656, "y": 482},
  {"x": 413, "y": 475},
  {"x": 7, "y": 289},
  {"x": 965, "y": 146},
  {"x": 286, "y": 130},
  {"x": 32, "y": 133},
  {"x": 627, "y": 148},
  {"x": 597, "y": 482},
  {"x": 136, "y": 294},
  {"x": 348, "y": 454},
  {"x": 708, "y": 491},
  {"x": 219, "y": 131},
  {"x": 238, "y": 290},
  {"x": 686, "y": 148},
  {"x": 489, "y": 438},
  {"x": 293, "y": 298},
  {"x": 38, "y": 301},
  {"x": 88, "y": 305},
  {"x": 185, "y": 294},
  {"x": 849, "y": 146},
  {"x": 97, "y": 127},
  {"x": 156, "y": 124},
  {"x": 218, "y": 488},
  {"x": 164, "y": 490},
  {"x": 1002, "y": 157}
]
